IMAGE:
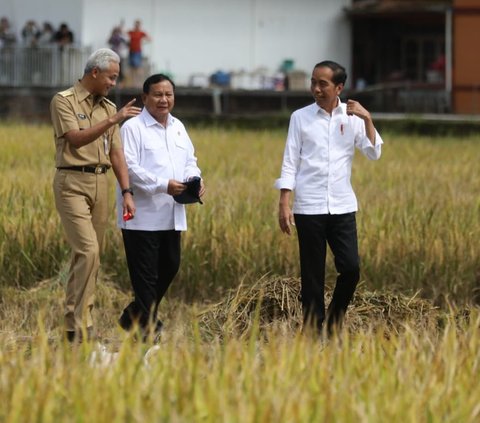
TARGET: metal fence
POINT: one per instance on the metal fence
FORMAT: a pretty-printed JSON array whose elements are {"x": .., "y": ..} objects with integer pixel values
[
  {"x": 45, "y": 66},
  {"x": 404, "y": 97}
]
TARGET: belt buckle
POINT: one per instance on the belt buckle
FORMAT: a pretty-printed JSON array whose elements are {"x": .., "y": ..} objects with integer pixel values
[{"x": 99, "y": 169}]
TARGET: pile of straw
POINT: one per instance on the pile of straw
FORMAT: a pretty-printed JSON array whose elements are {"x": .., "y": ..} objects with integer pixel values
[{"x": 275, "y": 300}]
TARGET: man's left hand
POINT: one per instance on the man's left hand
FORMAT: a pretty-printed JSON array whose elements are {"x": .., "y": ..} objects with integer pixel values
[
  {"x": 355, "y": 108},
  {"x": 129, "y": 204}
]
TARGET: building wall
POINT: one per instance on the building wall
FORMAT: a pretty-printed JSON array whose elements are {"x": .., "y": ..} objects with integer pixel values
[
  {"x": 466, "y": 66},
  {"x": 190, "y": 37}
]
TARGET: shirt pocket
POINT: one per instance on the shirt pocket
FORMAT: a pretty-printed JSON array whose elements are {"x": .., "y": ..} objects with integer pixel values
[
  {"x": 181, "y": 143},
  {"x": 153, "y": 144},
  {"x": 181, "y": 151},
  {"x": 83, "y": 121},
  {"x": 344, "y": 129}
]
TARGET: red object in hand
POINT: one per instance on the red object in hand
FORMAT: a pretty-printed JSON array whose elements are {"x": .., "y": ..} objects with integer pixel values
[{"x": 127, "y": 216}]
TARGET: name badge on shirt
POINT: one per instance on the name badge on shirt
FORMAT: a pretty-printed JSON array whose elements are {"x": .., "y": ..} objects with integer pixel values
[{"x": 81, "y": 116}]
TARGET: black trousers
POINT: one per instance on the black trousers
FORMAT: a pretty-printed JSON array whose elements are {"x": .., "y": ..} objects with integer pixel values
[
  {"x": 314, "y": 233},
  {"x": 153, "y": 259}
]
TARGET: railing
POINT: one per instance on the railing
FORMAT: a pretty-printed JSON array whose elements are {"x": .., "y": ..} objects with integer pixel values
[
  {"x": 45, "y": 66},
  {"x": 404, "y": 97}
]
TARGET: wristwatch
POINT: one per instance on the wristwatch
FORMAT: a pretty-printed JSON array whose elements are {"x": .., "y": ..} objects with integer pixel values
[{"x": 124, "y": 191}]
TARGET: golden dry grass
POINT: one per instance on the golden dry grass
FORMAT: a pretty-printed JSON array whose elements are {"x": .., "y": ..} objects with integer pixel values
[
  {"x": 401, "y": 360},
  {"x": 418, "y": 219},
  {"x": 232, "y": 350}
]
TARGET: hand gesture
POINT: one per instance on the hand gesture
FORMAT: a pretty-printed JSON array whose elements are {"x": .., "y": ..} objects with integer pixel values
[
  {"x": 355, "y": 108},
  {"x": 127, "y": 111}
]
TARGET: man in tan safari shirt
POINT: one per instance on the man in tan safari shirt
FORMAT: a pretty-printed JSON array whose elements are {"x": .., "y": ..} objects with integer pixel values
[{"x": 87, "y": 141}]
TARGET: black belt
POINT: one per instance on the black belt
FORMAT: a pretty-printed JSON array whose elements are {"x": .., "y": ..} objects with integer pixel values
[{"x": 99, "y": 169}]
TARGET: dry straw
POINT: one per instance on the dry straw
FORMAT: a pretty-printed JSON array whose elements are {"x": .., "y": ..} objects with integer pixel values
[{"x": 276, "y": 300}]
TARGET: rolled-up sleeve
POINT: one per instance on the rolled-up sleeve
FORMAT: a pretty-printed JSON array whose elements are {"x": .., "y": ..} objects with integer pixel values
[
  {"x": 363, "y": 143},
  {"x": 373, "y": 152}
]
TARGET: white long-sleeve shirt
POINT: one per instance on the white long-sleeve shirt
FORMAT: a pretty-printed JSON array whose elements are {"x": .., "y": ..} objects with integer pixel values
[
  {"x": 317, "y": 162},
  {"x": 154, "y": 155}
]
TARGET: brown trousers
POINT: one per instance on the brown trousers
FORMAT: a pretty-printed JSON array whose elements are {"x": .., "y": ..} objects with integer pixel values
[{"x": 81, "y": 200}]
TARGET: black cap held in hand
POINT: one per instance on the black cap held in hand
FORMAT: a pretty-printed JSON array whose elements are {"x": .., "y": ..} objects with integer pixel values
[{"x": 191, "y": 193}]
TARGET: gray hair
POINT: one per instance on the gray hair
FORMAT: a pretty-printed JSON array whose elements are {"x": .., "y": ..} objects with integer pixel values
[{"x": 101, "y": 59}]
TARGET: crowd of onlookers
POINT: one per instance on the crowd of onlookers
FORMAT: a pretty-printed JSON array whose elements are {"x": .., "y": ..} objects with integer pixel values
[
  {"x": 33, "y": 34},
  {"x": 127, "y": 43}
]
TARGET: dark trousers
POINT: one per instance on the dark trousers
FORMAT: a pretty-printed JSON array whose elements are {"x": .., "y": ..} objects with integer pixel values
[
  {"x": 314, "y": 233},
  {"x": 153, "y": 259}
]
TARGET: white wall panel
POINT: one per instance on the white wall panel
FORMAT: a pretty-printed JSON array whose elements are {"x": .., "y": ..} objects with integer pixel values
[{"x": 192, "y": 36}]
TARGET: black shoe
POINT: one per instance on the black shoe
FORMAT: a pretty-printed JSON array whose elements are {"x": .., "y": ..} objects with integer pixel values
[
  {"x": 70, "y": 335},
  {"x": 77, "y": 336},
  {"x": 125, "y": 321},
  {"x": 130, "y": 317}
]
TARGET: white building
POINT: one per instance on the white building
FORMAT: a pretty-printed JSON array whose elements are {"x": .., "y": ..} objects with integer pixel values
[{"x": 201, "y": 37}]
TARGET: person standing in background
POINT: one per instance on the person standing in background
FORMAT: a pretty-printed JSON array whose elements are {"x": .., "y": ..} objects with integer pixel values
[
  {"x": 7, "y": 35},
  {"x": 160, "y": 158},
  {"x": 63, "y": 37},
  {"x": 317, "y": 165},
  {"x": 30, "y": 33},
  {"x": 46, "y": 35},
  {"x": 135, "y": 55},
  {"x": 118, "y": 42},
  {"x": 87, "y": 141}
]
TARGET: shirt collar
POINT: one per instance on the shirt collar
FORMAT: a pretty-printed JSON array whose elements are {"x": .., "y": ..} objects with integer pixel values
[
  {"x": 83, "y": 94},
  {"x": 150, "y": 120},
  {"x": 339, "y": 109}
]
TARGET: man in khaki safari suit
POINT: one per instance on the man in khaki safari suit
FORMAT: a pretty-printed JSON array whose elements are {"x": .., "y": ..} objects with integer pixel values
[{"x": 87, "y": 141}]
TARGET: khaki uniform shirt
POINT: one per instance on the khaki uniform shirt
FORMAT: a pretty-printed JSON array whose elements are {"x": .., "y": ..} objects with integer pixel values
[{"x": 75, "y": 109}]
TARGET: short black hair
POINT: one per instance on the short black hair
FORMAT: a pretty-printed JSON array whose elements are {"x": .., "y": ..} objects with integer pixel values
[
  {"x": 339, "y": 73},
  {"x": 155, "y": 79}
]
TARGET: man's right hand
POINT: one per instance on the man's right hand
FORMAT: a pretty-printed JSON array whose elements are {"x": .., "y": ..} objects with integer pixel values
[
  {"x": 285, "y": 215},
  {"x": 285, "y": 219},
  {"x": 127, "y": 111},
  {"x": 175, "y": 187}
]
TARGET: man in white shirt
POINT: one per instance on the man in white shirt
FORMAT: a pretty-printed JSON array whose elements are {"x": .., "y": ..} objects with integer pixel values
[
  {"x": 317, "y": 165},
  {"x": 160, "y": 157}
]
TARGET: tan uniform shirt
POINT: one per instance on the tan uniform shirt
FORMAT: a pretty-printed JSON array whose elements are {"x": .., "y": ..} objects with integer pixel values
[{"x": 75, "y": 109}]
